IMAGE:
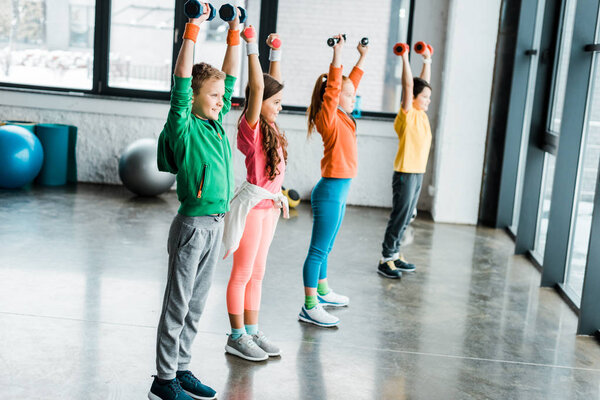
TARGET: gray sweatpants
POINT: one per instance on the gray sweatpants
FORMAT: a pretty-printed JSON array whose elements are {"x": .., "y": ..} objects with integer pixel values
[
  {"x": 406, "y": 189},
  {"x": 193, "y": 247}
]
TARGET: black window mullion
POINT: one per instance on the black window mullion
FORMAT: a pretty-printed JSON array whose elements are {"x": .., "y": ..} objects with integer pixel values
[
  {"x": 268, "y": 25},
  {"x": 101, "y": 43}
]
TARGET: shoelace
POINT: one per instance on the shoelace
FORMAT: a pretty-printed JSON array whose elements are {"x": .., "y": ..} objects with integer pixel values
[
  {"x": 188, "y": 374},
  {"x": 174, "y": 387}
]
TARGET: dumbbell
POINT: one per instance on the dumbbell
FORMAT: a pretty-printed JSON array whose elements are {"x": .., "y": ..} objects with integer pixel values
[
  {"x": 276, "y": 43},
  {"x": 227, "y": 12},
  {"x": 401, "y": 48},
  {"x": 333, "y": 41},
  {"x": 195, "y": 8},
  {"x": 364, "y": 41},
  {"x": 249, "y": 32},
  {"x": 421, "y": 46}
]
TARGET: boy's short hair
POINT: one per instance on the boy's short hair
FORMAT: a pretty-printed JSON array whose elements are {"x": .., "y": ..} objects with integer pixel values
[
  {"x": 418, "y": 86},
  {"x": 202, "y": 72}
]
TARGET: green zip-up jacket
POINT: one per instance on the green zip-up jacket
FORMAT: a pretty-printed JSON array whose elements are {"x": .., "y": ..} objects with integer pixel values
[{"x": 198, "y": 151}]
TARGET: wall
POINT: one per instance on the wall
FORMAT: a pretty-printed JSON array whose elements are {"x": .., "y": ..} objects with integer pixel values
[{"x": 106, "y": 127}]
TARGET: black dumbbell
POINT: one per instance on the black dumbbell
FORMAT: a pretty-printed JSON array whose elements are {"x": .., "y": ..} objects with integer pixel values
[
  {"x": 195, "y": 8},
  {"x": 364, "y": 41},
  {"x": 333, "y": 41},
  {"x": 227, "y": 13}
]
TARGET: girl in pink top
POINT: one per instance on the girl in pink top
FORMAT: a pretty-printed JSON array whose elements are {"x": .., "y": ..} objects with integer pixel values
[{"x": 264, "y": 146}]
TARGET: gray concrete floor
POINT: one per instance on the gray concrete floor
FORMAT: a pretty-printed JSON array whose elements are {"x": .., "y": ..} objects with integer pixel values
[{"x": 82, "y": 274}]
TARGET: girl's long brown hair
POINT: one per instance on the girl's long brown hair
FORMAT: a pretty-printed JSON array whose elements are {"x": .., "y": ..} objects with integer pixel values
[
  {"x": 317, "y": 100},
  {"x": 272, "y": 137}
]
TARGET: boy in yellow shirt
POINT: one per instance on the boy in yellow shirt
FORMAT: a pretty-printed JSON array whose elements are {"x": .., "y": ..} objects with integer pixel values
[{"x": 414, "y": 141}]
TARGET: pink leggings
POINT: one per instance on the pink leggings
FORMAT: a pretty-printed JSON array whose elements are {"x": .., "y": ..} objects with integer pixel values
[{"x": 250, "y": 259}]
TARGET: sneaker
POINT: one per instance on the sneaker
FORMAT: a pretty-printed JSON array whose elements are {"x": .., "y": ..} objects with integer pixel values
[
  {"x": 332, "y": 299},
  {"x": 389, "y": 270},
  {"x": 318, "y": 316},
  {"x": 193, "y": 387},
  {"x": 170, "y": 390},
  {"x": 264, "y": 343},
  {"x": 403, "y": 265},
  {"x": 246, "y": 348}
]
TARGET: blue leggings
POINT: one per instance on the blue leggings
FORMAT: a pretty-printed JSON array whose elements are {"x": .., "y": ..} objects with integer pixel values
[{"x": 328, "y": 202}]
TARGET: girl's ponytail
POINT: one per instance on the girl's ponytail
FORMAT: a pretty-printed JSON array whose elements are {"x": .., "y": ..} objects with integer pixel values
[{"x": 316, "y": 102}]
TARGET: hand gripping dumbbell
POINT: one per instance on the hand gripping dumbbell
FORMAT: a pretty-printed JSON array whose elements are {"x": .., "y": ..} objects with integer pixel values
[
  {"x": 333, "y": 41},
  {"x": 421, "y": 46},
  {"x": 195, "y": 8},
  {"x": 249, "y": 32},
  {"x": 276, "y": 43},
  {"x": 364, "y": 41},
  {"x": 227, "y": 12},
  {"x": 401, "y": 48}
]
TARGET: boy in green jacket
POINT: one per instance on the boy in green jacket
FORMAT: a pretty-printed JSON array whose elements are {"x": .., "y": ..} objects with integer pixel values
[{"x": 193, "y": 144}]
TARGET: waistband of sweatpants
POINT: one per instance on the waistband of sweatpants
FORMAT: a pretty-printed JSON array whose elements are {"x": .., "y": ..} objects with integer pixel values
[{"x": 202, "y": 221}]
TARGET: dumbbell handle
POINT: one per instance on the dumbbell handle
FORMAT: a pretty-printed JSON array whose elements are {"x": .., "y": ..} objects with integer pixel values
[{"x": 333, "y": 41}]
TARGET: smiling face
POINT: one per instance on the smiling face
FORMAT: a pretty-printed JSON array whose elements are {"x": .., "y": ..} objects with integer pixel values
[
  {"x": 423, "y": 99},
  {"x": 347, "y": 96},
  {"x": 207, "y": 104},
  {"x": 271, "y": 107}
]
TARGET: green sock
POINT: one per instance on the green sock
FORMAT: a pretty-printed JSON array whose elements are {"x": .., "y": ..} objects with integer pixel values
[
  {"x": 237, "y": 333},
  {"x": 252, "y": 329},
  {"x": 322, "y": 288},
  {"x": 310, "y": 302}
]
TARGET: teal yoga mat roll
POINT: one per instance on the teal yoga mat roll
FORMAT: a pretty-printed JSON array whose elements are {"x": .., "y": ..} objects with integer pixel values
[
  {"x": 30, "y": 126},
  {"x": 55, "y": 141}
]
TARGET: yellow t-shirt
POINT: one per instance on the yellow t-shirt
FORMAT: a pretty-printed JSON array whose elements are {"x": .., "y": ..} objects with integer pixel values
[{"x": 414, "y": 141}]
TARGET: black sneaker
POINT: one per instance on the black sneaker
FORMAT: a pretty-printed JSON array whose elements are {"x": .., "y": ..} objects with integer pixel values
[
  {"x": 404, "y": 266},
  {"x": 169, "y": 390},
  {"x": 193, "y": 387},
  {"x": 389, "y": 270}
]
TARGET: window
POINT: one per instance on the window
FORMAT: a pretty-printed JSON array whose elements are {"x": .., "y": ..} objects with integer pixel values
[
  {"x": 129, "y": 47},
  {"x": 141, "y": 44},
  {"x": 47, "y": 46},
  {"x": 304, "y": 29}
]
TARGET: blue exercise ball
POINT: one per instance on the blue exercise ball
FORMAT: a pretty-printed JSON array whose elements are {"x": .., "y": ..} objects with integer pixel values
[
  {"x": 139, "y": 172},
  {"x": 21, "y": 156}
]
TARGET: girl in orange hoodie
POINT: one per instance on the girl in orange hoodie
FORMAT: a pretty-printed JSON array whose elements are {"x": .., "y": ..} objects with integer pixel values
[{"x": 330, "y": 114}]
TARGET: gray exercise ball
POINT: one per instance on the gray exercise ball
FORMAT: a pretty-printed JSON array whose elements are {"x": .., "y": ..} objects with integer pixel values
[{"x": 138, "y": 170}]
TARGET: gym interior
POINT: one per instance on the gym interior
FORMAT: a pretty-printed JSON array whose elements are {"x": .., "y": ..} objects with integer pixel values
[{"x": 505, "y": 299}]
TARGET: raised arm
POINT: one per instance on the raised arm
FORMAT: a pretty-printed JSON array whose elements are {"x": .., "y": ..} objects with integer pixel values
[
  {"x": 231, "y": 61},
  {"x": 426, "y": 71},
  {"x": 357, "y": 72},
  {"x": 407, "y": 83},
  {"x": 331, "y": 97},
  {"x": 185, "y": 58},
  {"x": 274, "y": 56},
  {"x": 256, "y": 83}
]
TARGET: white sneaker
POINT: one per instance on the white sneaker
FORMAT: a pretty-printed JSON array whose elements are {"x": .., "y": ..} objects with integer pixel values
[
  {"x": 318, "y": 316},
  {"x": 332, "y": 299}
]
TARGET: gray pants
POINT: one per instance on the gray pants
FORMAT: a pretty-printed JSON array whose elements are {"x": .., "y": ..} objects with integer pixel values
[
  {"x": 193, "y": 247},
  {"x": 406, "y": 189}
]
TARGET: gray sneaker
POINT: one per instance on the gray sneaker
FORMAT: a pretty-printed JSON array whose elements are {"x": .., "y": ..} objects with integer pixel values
[
  {"x": 245, "y": 347},
  {"x": 264, "y": 343}
]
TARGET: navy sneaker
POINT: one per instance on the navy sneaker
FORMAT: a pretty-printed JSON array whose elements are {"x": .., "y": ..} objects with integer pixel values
[
  {"x": 193, "y": 387},
  {"x": 170, "y": 390},
  {"x": 389, "y": 270},
  {"x": 404, "y": 266}
]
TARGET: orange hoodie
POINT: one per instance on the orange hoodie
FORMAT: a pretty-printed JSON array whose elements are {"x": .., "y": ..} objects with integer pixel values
[{"x": 338, "y": 130}]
